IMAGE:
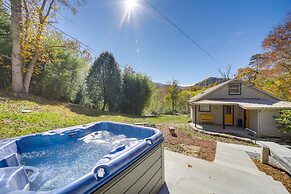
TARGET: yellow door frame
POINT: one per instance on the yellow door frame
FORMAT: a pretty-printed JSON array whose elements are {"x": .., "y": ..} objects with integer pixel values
[{"x": 228, "y": 115}]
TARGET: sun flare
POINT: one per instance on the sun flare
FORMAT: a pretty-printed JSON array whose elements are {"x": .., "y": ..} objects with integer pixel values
[
  {"x": 131, "y": 8},
  {"x": 131, "y": 5}
]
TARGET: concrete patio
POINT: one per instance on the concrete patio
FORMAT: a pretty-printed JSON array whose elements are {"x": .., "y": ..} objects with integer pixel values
[
  {"x": 231, "y": 130},
  {"x": 232, "y": 172}
]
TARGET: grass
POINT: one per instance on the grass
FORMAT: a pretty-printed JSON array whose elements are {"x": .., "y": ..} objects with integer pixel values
[{"x": 47, "y": 115}]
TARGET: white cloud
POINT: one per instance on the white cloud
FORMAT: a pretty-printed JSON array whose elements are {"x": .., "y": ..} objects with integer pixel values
[{"x": 239, "y": 33}]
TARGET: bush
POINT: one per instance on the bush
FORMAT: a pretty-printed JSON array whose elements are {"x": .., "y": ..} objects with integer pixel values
[{"x": 283, "y": 121}]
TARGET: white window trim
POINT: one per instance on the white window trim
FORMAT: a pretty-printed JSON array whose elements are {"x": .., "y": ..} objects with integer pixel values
[
  {"x": 205, "y": 105},
  {"x": 233, "y": 86}
]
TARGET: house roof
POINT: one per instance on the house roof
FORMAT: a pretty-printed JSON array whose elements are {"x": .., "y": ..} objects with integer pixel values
[
  {"x": 247, "y": 103},
  {"x": 212, "y": 89},
  {"x": 208, "y": 91}
]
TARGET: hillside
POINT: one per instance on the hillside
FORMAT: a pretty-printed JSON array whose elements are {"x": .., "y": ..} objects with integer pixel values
[
  {"x": 21, "y": 116},
  {"x": 210, "y": 80},
  {"x": 204, "y": 83},
  {"x": 160, "y": 85}
]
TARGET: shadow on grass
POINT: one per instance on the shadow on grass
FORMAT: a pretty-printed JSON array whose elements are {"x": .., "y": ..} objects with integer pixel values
[
  {"x": 94, "y": 112},
  {"x": 6, "y": 95}
]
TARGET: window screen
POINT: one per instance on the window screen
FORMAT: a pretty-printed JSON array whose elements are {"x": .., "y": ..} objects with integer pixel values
[
  {"x": 204, "y": 108},
  {"x": 234, "y": 89}
]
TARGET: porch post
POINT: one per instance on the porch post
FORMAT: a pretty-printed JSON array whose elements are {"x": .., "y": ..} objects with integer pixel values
[
  {"x": 245, "y": 116},
  {"x": 195, "y": 117},
  {"x": 223, "y": 122},
  {"x": 233, "y": 115}
]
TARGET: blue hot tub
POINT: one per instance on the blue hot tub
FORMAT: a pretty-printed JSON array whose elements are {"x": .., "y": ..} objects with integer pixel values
[{"x": 103, "y": 157}]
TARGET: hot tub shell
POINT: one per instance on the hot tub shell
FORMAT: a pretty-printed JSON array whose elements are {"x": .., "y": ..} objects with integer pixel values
[{"x": 137, "y": 169}]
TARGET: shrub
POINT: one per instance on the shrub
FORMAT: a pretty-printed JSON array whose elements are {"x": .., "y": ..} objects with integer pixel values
[{"x": 283, "y": 121}]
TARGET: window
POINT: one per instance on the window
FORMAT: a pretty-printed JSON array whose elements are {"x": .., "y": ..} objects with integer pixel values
[
  {"x": 227, "y": 109},
  {"x": 204, "y": 108},
  {"x": 234, "y": 89}
]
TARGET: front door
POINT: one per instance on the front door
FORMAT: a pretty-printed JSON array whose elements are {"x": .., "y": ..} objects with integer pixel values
[{"x": 228, "y": 114}]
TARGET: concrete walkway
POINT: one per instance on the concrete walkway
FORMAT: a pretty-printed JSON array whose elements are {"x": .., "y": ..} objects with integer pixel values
[{"x": 231, "y": 172}]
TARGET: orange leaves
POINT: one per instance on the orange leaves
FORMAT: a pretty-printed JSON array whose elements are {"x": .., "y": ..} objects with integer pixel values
[{"x": 271, "y": 70}]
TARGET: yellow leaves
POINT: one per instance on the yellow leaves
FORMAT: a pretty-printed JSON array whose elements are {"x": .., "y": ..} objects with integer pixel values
[
  {"x": 7, "y": 66},
  {"x": 34, "y": 31},
  {"x": 58, "y": 60},
  {"x": 37, "y": 69},
  {"x": 24, "y": 69}
]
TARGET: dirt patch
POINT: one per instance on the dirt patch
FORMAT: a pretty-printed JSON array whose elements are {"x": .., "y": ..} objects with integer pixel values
[
  {"x": 187, "y": 144},
  {"x": 276, "y": 173}
]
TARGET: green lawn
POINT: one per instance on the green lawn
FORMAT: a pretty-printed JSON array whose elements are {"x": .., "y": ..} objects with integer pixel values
[{"x": 47, "y": 115}]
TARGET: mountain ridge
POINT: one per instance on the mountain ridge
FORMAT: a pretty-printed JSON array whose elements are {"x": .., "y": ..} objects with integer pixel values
[{"x": 204, "y": 83}]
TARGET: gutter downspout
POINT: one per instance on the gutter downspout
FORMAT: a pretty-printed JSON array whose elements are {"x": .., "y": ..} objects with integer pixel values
[{"x": 259, "y": 123}]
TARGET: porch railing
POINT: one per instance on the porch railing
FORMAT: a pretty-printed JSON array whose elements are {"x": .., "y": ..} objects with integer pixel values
[{"x": 254, "y": 133}]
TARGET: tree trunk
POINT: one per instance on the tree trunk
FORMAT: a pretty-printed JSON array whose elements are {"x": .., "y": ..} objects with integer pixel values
[
  {"x": 104, "y": 105},
  {"x": 28, "y": 74},
  {"x": 26, "y": 80},
  {"x": 17, "y": 81},
  {"x": 173, "y": 106}
]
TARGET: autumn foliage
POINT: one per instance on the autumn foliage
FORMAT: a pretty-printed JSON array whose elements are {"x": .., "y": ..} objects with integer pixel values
[{"x": 271, "y": 70}]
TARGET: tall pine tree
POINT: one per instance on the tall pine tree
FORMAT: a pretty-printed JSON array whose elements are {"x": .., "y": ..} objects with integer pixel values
[{"x": 104, "y": 82}]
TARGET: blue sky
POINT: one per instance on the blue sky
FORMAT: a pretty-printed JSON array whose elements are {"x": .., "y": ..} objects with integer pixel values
[{"x": 231, "y": 30}]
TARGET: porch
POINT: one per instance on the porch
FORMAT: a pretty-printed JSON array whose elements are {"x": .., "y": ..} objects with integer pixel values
[
  {"x": 223, "y": 114},
  {"x": 229, "y": 130}
]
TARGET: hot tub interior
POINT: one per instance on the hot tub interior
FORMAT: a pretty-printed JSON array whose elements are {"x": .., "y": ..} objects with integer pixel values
[
  {"x": 53, "y": 159},
  {"x": 81, "y": 154}
]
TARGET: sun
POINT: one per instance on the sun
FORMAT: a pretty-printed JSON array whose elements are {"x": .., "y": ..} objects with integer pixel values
[
  {"x": 130, "y": 5},
  {"x": 131, "y": 8}
]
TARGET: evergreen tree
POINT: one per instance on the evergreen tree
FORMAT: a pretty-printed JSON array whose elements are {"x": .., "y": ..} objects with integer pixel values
[
  {"x": 137, "y": 90},
  {"x": 104, "y": 82}
]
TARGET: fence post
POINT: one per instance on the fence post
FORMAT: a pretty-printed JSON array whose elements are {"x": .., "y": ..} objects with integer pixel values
[{"x": 265, "y": 155}]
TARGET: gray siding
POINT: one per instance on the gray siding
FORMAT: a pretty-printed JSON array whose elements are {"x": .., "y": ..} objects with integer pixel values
[
  {"x": 144, "y": 176},
  {"x": 246, "y": 92},
  {"x": 268, "y": 125}
]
